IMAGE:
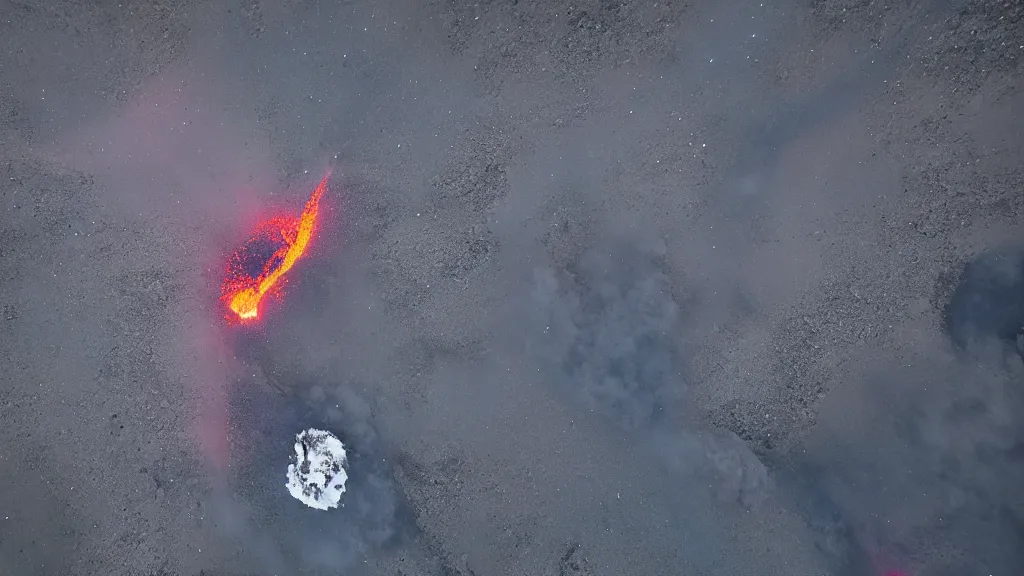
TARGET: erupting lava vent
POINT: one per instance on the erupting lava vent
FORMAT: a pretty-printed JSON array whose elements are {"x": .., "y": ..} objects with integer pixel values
[{"x": 275, "y": 245}]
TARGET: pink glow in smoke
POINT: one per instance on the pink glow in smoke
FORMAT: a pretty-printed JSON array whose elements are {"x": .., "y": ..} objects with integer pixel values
[
  {"x": 211, "y": 378},
  {"x": 172, "y": 160}
]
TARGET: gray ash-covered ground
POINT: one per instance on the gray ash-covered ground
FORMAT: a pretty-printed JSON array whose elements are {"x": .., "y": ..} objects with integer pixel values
[{"x": 601, "y": 287}]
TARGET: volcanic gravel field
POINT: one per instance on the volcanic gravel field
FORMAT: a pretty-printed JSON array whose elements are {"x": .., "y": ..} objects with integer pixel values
[{"x": 596, "y": 288}]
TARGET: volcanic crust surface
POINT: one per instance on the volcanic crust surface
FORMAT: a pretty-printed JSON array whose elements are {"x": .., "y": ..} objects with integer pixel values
[{"x": 597, "y": 287}]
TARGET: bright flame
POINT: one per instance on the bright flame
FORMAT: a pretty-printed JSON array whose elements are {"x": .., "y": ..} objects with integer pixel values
[{"x": 289, "y": 236}]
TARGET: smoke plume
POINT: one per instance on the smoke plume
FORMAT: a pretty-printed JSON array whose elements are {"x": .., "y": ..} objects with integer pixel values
[
  {"x": 612, "y": 334},
  {"x": 267, "y": 410}
]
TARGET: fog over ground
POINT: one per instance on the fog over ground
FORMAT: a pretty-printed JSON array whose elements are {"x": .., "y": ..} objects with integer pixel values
[{"x": 598, "y": 288}]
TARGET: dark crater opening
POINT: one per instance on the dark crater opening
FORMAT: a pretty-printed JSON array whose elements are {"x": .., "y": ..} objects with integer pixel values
[{"x": 253, "y": 258}]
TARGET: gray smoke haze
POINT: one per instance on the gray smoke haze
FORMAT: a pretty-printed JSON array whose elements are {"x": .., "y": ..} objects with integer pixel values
[
  {"x": 799, "y": 375},
  {"x": 614, "y": 325},
  {"x": 909, "y": 468},
  {"x": 925, "y": 447},
  {"x": 260, "y": 517},
  {"x": 987, "y": 307},
  {"x": 198, "y": 152},
  {"x": 933, "y": 458},
  {"x": 613, "y": 337}
]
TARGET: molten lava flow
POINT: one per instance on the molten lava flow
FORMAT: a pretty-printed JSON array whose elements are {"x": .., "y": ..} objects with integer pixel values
[{"x": 273, "y": 249}]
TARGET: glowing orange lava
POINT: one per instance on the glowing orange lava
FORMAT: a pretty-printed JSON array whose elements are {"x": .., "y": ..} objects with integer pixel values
[{"x": 273, "y": 249}]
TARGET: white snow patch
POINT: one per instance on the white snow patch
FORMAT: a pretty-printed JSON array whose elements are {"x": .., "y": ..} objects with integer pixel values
[{"x": 317, "y": 476}]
